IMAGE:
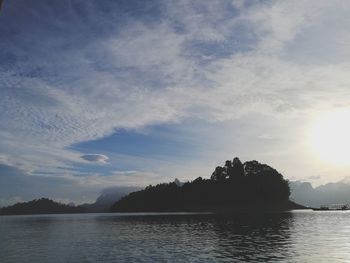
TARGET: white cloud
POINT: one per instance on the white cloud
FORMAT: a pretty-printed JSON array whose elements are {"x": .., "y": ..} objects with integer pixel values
[{"x": 4, "y": 160}]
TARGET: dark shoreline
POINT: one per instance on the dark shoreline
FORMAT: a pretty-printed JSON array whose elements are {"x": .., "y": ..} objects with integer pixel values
[
  {"x": 250, "y": 207},
  {"x": 243, "y": 208}
]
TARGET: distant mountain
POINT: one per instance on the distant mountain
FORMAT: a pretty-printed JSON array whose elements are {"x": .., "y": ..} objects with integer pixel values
[
  {"x": 251, "y": 186},
  {"x": 331, "y": 193},
  {"x": 40, "y": 206},
  {"x": 108, "y": 197},
  {"x": 46, "y": 206}
]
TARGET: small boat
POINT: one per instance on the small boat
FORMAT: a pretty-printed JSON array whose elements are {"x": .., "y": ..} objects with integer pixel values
[
  {"x": 332, "y": 208},
  {"x": 322, "y": 208}
]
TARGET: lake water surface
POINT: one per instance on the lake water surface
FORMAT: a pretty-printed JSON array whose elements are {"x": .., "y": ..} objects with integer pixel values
[{"x": 297, "y": 236}]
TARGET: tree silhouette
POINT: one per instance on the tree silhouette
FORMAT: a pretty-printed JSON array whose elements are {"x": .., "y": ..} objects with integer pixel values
[
  {"x": 219, "y": 174},
  {"x": 234, "y": 184},
  {"x": 237, "y": 168}
]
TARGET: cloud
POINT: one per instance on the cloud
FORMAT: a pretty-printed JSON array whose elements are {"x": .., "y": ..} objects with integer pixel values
[
  {"x": 81, "y": 73},
  {"x": 99, "y": 158},
  {"x": 4, "y": 160},
  {"x": 12, "y": 171}
]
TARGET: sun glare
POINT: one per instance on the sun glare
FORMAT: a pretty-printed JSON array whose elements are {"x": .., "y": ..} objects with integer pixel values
[{"x": 330, "y": 136}]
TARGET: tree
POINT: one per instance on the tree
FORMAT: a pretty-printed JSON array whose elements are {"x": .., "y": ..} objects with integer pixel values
[
  {"x": 237, "y": 169},
  {"x": 228, "y": 168},
  {"x": 219, "y": 174}
]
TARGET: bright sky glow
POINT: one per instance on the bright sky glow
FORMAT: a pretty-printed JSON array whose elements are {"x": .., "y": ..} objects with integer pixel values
[{"x": 330, "y": 137}]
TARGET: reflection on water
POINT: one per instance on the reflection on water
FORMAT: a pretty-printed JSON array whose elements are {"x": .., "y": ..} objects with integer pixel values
[
  {"x": 250, "y": 237},
  {"x": 303, "y": 236}
]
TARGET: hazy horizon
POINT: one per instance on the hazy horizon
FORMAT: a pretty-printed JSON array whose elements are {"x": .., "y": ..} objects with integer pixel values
[{"x": 97, "y": 94}]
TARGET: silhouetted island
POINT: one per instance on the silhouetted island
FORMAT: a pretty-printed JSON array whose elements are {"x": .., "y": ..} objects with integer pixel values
[
  {"x": 40, "y": 206},
  {"x": 234, "y": 187}
]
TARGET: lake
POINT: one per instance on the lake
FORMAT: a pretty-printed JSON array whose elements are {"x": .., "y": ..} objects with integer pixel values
[{"x": 296, "y": 236}]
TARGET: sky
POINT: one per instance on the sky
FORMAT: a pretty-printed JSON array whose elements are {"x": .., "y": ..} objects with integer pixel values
[{"x": 96, "y": 94}]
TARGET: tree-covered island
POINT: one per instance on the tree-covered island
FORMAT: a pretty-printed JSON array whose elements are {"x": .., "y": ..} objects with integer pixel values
[{"x": 235, "y": 186}]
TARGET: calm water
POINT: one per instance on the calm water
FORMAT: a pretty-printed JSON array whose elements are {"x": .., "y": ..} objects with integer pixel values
[{"x": 300, "y": 236}]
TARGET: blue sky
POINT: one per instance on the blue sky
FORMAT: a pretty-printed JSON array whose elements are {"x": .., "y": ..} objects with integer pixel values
[{"x": 95, "y": 94}]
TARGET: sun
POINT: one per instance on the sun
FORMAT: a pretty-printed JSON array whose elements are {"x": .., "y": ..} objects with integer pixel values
[{"x": 330, "y": 136}]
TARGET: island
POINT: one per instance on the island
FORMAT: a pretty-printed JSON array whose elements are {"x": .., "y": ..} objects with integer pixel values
[
  {"x": 41, "y": 206},
  {"x": 251, "y": 186}
]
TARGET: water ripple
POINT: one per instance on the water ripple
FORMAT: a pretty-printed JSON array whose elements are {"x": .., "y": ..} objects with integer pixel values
[{"x": 299, "y": 236}]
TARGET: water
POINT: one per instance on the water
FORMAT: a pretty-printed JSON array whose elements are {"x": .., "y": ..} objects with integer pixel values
[{"x": 297, "y": 236}]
